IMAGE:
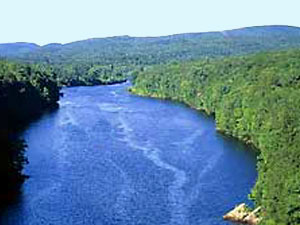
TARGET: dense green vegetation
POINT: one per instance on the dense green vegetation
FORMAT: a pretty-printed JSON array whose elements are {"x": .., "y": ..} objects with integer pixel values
[
  {"x": 78, "y": 63},
  {"x": 125, "y": 50},
  {"x": 83, "y": 74},
  {"x": 254, "y": 98},
  {"x": 25, "y": 92}
]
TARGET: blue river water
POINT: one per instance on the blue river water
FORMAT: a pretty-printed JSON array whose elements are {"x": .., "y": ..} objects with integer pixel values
[{"x": 107, "y": 157}]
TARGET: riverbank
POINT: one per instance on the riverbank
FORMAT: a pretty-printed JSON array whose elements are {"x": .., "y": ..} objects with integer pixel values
[
  {"x": 242, "y": 214},
  {"x": 254, "y": 99},
  {"x": 26, "y": 91},
  {"x": 93, "y": 151},
  {"x": 94, "y": 83}
]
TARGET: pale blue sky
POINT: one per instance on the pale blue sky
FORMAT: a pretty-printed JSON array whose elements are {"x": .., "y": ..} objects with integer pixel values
[{"x": 47, "y": 21}]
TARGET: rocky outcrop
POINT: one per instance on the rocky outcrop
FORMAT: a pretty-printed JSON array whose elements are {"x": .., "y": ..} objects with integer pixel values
[{"x": 241, "y": 214}]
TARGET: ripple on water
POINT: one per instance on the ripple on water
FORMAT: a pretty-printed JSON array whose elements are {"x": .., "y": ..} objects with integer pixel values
[
  {"x": 177, "y": 196},
  {"x": 109, "y": 158}
]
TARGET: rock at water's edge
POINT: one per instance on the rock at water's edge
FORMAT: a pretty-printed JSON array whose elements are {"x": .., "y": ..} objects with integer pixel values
[{"x": 241, "y": 214}]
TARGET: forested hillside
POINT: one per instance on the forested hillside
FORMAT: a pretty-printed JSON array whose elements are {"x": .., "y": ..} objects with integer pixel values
[
  {"x": 254, "y": 98},
  {"x": 79, "y": 62},
  {"x": 25, "y": 92},
  {"x": 126, "y": 50},
  {"x": 15, "y": 50}
]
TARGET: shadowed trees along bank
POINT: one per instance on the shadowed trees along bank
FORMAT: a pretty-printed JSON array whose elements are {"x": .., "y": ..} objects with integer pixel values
[
  {"x": 254, "y": 98},
  {"x": 25, "y": 92}
]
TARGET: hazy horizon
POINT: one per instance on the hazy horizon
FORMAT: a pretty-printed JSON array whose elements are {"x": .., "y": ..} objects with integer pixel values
[
  {"x": 124, "y": 35},
  {"x": 44, "y": 22}
]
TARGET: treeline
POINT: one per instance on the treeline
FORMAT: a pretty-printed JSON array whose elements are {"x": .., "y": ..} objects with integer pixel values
[
  {"x": 112, "y": 60},
  {"x": 254, "y": 98},
  {"x": 25, "y": 92},
  {"x": 86, "y": 74},
  {"x": 126, "y": 50}
]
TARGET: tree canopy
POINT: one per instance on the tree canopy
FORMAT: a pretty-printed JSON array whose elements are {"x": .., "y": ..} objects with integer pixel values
[
  {"x": 254, "y": 98},
  {"x": 25, "y": 92}
]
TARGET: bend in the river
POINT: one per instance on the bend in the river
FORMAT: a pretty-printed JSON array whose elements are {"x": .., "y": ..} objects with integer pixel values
[{"x": 108, "y": 157}]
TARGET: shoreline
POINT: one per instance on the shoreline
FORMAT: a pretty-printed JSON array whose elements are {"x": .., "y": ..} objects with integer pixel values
[{"x": 236, "y": 219}]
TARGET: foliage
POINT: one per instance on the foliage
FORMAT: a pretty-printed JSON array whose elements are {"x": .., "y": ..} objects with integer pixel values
[
  {"x": 254, "y": 98},
  {"x": 75, "y": 61},
  {"x": 25, "y": 92},
  {"x": 82, "y": 74},
  {"x": 125, "y": 50}
]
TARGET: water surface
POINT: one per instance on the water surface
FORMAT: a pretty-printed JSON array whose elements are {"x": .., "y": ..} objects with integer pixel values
[{"x": 110, "y": 158}]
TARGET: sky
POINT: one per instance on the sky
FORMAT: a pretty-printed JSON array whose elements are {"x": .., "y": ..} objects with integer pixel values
[{"x": 63, "y": 21}]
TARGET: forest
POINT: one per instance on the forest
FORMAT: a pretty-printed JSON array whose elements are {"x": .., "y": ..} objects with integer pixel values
[
  {"x": 247, "y": 79},
  {"x": 255, "y": 99},
  {"x": 26, "y": 91},
  {"x": 113, "y": 59}
]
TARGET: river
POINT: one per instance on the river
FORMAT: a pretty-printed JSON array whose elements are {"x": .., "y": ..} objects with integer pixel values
[{"x": 106, "y": 157}]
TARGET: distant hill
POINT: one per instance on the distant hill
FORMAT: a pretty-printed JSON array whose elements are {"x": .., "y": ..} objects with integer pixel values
[
  {"x": 263, "y": 31},
  {"x": 17, "y": 49},
  {"x": 126, "y": 50}
]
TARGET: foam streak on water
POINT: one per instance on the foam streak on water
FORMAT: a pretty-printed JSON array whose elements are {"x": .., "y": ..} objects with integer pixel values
[
  {"x": 106, "y": 157},
  {"x": 176, "y": 194}
]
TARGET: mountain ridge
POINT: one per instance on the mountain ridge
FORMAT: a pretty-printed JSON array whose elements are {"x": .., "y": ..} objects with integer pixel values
[
  {"x": 155, "y": 37},
  {"x": 126, "y": 50}
]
